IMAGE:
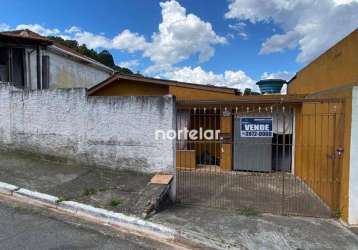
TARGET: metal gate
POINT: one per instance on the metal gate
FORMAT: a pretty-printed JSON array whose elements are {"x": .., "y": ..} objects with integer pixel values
[{"x": 261, "y": 157}]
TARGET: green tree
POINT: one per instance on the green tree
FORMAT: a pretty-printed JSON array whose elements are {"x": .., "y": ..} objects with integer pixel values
[{"x": 104, "y": 57}]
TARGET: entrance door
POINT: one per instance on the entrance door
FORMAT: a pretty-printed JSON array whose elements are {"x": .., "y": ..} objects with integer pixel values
[{"x": 252, "y": 153}]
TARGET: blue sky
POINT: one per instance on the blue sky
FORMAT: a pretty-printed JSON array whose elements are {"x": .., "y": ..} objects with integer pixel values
[{"x": 234, "y": 42}]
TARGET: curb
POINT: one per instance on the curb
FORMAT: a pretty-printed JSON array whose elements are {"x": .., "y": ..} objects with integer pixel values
[
  {"x": 45, "y": 199},
  {"x": 100, "y": 215},
  {"x": 7, "y": 189}
]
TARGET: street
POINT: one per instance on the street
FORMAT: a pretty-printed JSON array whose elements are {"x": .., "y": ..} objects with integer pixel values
[{"x": 22, "y": 227}]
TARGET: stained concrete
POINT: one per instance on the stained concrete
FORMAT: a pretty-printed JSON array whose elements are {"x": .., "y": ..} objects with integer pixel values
[
  {"x": 120, "y": 191},
  {"x": 225, "y": 229},
  {"x": 277, "y": 192},
  {"x": 23, "y": 227}
]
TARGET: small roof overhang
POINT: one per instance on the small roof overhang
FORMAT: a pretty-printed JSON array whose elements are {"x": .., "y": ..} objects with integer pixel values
[{"x": 141, "y": 79}]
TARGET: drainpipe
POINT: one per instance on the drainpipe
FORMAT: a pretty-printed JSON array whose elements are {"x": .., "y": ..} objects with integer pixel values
[{"x": 38, "y": 64}]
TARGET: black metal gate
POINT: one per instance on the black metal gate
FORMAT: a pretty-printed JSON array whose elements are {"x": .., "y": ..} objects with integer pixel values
[{"x": 274, "y": 157}]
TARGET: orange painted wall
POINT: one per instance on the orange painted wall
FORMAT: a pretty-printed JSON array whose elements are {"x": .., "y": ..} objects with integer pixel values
[
  {"x": 343, "y": 136},
  {"x": 130, "y": 88},
  {"x": 336, "y": 67},
  {"x": 331, "y": 75},
  {"x": 318, "y": 136},
  {"x": 185, "y": 93}
]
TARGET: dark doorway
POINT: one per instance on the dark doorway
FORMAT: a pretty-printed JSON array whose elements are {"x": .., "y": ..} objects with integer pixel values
[{"x": 12, "y": 66}]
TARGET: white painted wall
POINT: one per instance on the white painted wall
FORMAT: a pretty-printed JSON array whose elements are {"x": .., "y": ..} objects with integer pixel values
[
  {"x": 115, "y": 132},
  {"x": 65, "y": 71},
  {"x": 353, "y": 168}
]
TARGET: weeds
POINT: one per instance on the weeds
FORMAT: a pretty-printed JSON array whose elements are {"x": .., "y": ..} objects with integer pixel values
[
  {"x": 115, "y": 202},
  {"x": 89, "y": 191},
  {"x": 249, "y": 212}
]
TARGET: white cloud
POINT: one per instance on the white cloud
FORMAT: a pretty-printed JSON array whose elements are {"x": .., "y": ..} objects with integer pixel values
[
  {"x": 234, "y": 79},
  {"x": 129, "y": 64},
  {"x": 180, "y": 36},
  {"x": 73, "y": 29},
  {"x": 4, "y": 27},
  {"x": 92, "y": 41},
  {"x": 344, "y": 1},
  {"x": 39, "y": 29},
  {"x": 284, "y": 75},
  {"x": 126, "y": 40},
  {"x": 240, "y": 29},
  {"x": 310, "y": 26}
]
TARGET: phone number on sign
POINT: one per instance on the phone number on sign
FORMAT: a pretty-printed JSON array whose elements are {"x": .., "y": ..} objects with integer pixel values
[{"x": 256, "y": 134}]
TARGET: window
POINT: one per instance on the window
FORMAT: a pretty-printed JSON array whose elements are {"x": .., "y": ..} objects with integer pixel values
[{"x": 45, "y": 72}]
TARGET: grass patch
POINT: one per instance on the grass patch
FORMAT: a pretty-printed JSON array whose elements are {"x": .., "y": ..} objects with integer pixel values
[
  {"x": 89, "y": 191},
  {"x": 249, "y": 212},
  {"x": 338, "y": 213},
  {"x": 103, "y": 189},
  {"x": 115, "y": 202},
  {"x": 61, "y": 199}
]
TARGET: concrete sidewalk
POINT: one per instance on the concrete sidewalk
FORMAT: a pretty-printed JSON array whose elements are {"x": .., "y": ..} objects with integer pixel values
[
  {"x": 119, "y": 191},
  {"x": 230, "y": 230}
]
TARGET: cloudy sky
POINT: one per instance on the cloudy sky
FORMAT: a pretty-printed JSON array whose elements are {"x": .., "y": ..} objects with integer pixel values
[{"x": 232, "y": 43}]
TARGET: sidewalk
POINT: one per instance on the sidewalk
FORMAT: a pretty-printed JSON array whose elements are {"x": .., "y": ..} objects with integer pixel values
[
  {"x": 230, "y": 230},
  {"x": 122, "y": 191},
  {"x": 119, "y": 191}
]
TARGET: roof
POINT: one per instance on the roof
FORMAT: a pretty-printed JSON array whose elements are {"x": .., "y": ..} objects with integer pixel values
[
  {"x": 28, "y": 35},
  {"x": 143, "y": 79}
]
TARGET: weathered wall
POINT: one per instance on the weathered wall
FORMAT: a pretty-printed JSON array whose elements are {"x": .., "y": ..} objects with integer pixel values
[
  {"x": 117, "y": 132},
  {"x": 336, "y": 67},
  {"x": 65, "y": 72},
  {"x": 353, "y": 169}
]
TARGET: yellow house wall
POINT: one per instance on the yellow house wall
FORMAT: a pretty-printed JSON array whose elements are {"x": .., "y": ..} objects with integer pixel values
[
  {"x": 130, "y": 88},
  {"x": 336, "y": 67},
  {"x": 185, "y": 93},
  {"x": 326, "y": 76}
]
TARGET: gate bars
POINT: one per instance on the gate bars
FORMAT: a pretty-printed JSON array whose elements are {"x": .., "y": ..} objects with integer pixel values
[{"x": 294, "y": 172}]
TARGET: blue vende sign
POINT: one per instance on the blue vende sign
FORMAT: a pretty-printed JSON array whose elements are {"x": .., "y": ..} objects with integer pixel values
[{"x": 256, "y": 127}]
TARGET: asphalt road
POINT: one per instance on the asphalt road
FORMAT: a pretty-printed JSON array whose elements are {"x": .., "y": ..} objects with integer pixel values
[{"x": 23, "y": 227}]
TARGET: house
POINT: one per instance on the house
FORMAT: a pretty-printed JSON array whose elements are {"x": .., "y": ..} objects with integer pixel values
[
  {"x": 334, "y": 74},
  {"x": 292, "y": 154},
  {"x": 31, "y": 61},
  {"x": 134, "y": 85}
]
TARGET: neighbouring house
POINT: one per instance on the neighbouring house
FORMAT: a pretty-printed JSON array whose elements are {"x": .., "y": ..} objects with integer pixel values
[
  {"x": 31, "y": 61},
  {"x": 334, "y": 74},
  {"x": 301, "y": 162}
]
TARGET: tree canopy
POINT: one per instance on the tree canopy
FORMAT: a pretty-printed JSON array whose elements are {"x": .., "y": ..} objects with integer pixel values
[{"x": 104, "y": 57}]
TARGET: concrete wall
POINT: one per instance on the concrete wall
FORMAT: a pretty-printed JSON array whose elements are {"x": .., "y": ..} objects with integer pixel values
[
  {"x": 116, "y": 132},
  {"x": 353, "y": 170},
  {"x": 65, "y": 71}
]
